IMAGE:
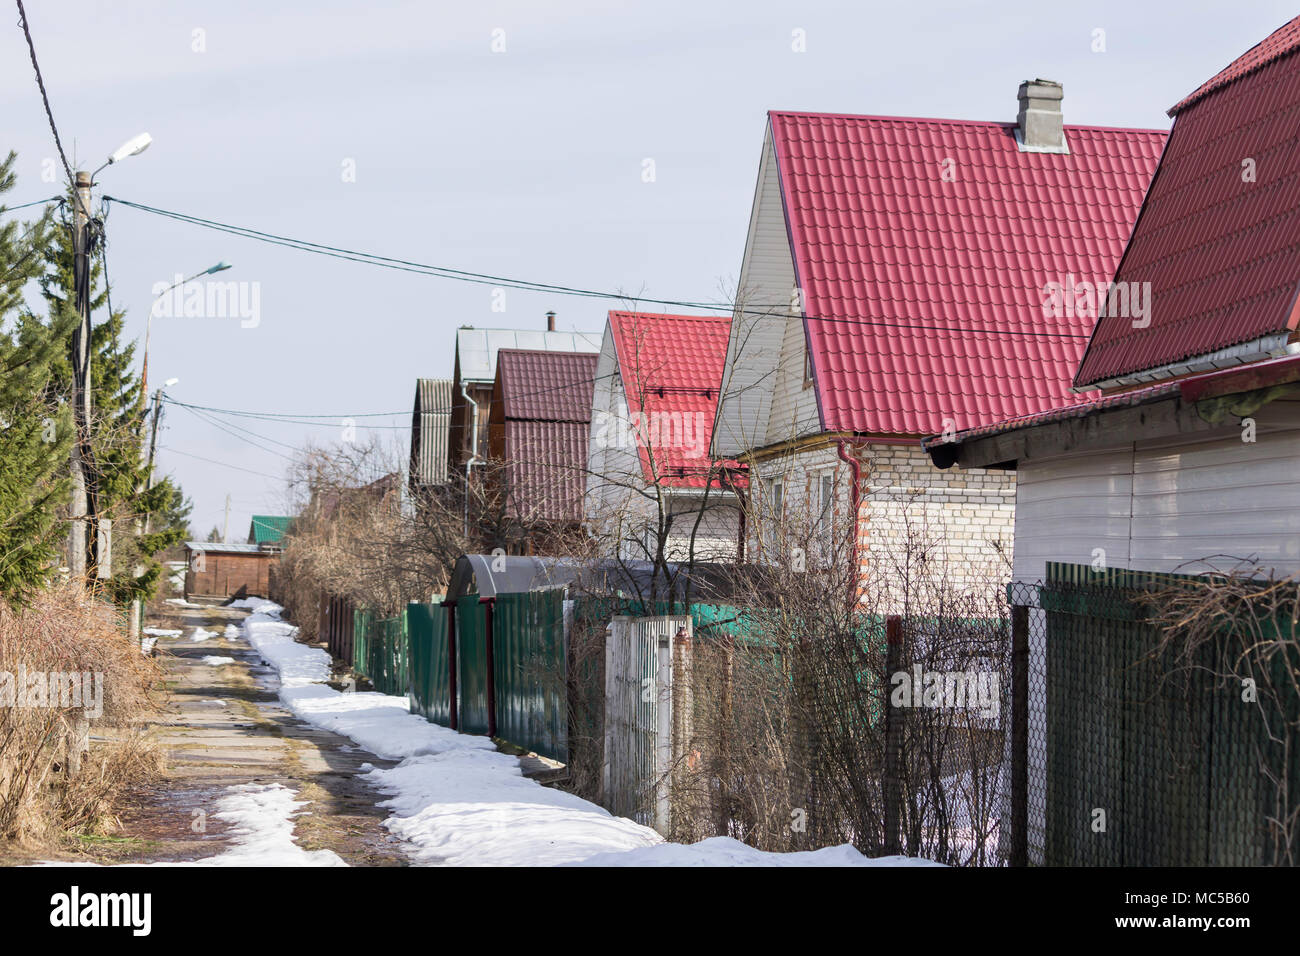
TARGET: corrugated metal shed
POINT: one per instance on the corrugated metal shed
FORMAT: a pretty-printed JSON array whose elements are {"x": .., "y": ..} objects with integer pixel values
[
  {"x": 429, "y": 422},
  {"x": 1219, "y": 249}
]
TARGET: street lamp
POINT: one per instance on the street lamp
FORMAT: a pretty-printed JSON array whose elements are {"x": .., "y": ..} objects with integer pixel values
[
  {"x": 132, "y": 147},
  {"x": 83, "y": 543},
  {"x": 221, "y": 266}
]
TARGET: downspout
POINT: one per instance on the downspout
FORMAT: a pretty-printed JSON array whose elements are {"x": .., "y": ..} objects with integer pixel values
[
  {"x": 855, "y": 468},
  {"x": 473, "y": 449}
]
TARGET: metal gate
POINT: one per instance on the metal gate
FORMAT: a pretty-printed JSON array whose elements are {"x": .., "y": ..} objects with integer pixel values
[{"x": 639, "y": 717}]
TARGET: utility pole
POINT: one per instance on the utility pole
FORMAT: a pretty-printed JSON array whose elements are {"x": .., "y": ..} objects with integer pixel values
[
  {"x": 81, "y": 536},
  {"x": 153, "y": 442},
  {"x": 225, "y": 534},
  {"x": 136, "y": 617}
]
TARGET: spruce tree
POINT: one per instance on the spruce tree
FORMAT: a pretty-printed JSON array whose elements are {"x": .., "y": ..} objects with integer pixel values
[
  {"x": 35, "y": 425},
  {"x": 118, "y": 431}
]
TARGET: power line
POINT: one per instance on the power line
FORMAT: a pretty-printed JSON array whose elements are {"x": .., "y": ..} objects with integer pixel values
[
  {"x": 45, "y": 99},
  {"x": 38, "y": 202},
  {"x": 231, "y": 411},
  {"x": 779, "y": 313},
  {"x": 213, "y": 461},
  {"x": 235, "y": 434}
]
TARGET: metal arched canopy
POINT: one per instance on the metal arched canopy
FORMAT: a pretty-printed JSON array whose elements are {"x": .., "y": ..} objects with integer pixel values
[{"x": 489, "y": 575}]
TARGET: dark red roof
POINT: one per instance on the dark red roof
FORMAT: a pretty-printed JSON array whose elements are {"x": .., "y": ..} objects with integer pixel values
[
  {"x": 546, "y": 469},
  {"x": 1222, "y": 255},
  {"x": 550, "y": 386},
  {"x": 544, "y": 427},
  {"x": 1192, "y": 388},
  {"x": 923, "y": 291},
  {"x": 671, "y": 368},
  {"x": 1274, "y": 46}
]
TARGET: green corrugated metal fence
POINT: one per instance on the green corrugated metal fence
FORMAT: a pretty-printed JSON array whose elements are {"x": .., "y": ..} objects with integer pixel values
[
  {"x": 529, "y": 672},
  {"x": 427, "y": 657},
  {"x": 379, "y": 651},
  {"x": 362, "y": 622},
  {"x": 471, "y": 665},
  {"x": 388, "y": 665}
]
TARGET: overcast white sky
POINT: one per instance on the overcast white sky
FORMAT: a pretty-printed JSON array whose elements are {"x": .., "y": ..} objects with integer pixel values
[{"x": 522, "y": 163}]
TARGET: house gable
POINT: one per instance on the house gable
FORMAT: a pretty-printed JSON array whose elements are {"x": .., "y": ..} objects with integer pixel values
[{"x": 763, "y": 394}]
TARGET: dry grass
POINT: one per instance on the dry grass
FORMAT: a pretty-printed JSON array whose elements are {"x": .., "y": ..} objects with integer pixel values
[{"x": 62, "y": 630}]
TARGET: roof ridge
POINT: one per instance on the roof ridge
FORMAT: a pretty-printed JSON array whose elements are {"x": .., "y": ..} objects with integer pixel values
[
  {"x": 1261, "y": 59},
  {"x": 1003, "y": 124}
]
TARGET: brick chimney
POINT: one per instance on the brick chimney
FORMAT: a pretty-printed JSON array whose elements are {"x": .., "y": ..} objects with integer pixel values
[
  {"x": 1038, "y": 124},
  {"x": 550, "y": 321}
]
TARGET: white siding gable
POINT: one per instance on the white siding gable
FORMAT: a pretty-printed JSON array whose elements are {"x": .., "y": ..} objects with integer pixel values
[{"x": 763, "y": 398}]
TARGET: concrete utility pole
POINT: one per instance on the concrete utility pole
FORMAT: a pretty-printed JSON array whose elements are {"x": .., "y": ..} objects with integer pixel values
[
  {"x": 81, "y": 535},
  {"x": 136, "y": 618}
]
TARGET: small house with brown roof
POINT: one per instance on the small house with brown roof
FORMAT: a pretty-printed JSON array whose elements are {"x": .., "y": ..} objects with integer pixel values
[{"x": 537, "y": 447}]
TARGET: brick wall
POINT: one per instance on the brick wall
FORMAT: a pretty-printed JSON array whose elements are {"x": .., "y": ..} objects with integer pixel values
[{"x": 914, "y": 521}]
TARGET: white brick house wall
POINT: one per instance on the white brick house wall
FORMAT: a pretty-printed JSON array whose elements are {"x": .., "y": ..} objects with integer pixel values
[{"x": 913, "y": 517}]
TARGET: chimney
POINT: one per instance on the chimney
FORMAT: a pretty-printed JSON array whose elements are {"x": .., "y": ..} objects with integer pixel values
[
  {"x": 550, "y": 321},
  {"x": 1038, "y": 124}
]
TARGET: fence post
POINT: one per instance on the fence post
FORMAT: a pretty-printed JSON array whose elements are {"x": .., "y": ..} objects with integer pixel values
[
  {"x": 490, "y": 666},
  {"x": 451, "y": 663},
  {"x": 1019, "y": 854},
  {"x": 892, "y": 784}
]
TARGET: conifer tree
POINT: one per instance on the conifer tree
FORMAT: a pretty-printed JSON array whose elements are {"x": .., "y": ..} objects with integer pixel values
[
  {"x": 35, "y": 426},
  {"x": 118, "y": 430}
]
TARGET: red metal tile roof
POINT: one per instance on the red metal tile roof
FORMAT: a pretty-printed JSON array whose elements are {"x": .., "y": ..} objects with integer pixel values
[
  {"x": 671, "y": 369},
  {"x": 1277, "y": 44},
  {"x": 550, "y": 386},
  {"x": 1222, "y": 255},
  {"x": 922, "y": 248},
  {"x": 546, "y": 421}
]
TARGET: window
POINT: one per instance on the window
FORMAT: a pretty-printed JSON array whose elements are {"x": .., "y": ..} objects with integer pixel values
[
  {"x": 807, "y": 365},
  {"x": 826, "y": 513},
  {"x": 778, "y": 498}
]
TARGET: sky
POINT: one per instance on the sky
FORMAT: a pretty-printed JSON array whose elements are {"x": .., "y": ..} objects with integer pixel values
[{"x": 502, "y": 138}]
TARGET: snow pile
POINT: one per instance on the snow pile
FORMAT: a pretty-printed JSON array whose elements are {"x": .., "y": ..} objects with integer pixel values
[
  {"x": 261, "y": 818},
  {"x": 201, "y": 634},
  {"x": 471, "y": 806},
  {"x": 213, "y": 661},
  {"x": 724, "y": 851},
  {"x": 162, "y": 632},
  {"x": 261, "y": 832},
  {"x": 231, "y": 632},
  {"x": 457, "y": 801},
  {"x": 147, "y": 645}
]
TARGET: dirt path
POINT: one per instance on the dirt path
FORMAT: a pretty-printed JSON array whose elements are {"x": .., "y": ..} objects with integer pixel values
[{"x": 224, "y": 726}]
